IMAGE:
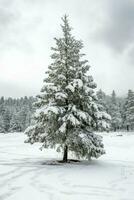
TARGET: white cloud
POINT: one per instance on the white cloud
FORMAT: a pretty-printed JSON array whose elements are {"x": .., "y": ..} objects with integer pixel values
[{"x": 27, "y": 31}]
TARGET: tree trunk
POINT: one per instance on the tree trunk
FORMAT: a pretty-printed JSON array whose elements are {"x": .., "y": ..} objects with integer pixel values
[
  {"x": 127, "y": 127},
  {"x": 65, "y": 153}
]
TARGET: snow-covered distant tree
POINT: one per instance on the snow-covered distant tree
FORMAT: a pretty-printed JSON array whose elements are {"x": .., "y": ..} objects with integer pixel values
[
  {"x": 102, "y": 99},
  {"x": 6, "y": 120},
  {"x": 2, "y": 110},
  {"x": 67, "y": 110},
  {"x": 129, "y": 111},
  {"x": 2, "y": 130},
  {"x": 15, "y": 123},
  {"x": 114, "y": 111},
  {"x": 101, "y": 96},
  {"x": 103, "y": 107}
]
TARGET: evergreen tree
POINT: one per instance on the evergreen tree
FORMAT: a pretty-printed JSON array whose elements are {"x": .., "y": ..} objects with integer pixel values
[
  {"x": 2, "y": 110},
  {"x": 103, "y": 105},
  {"x": 6, "y": 120},
  {"x": 15, "y": 124},
  {"x": 114, "y": 111},
  {"x": 67, "y": 110},
  {"x": 2, "y": 130},
  {"x": 103, "y": 100},
  {"x": 128, "y": 116}
]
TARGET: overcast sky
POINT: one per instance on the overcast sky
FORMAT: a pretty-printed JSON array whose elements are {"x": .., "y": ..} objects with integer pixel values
[{"x": 27, "y": 29}]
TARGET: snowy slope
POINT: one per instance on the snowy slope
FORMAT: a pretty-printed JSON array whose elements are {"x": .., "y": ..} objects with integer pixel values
[{"x": 24, "y": 174}]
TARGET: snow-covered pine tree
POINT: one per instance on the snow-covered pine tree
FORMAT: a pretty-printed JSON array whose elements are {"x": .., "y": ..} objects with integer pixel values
[
  {"x": 15, "y": 123},
  {"x": 114, "y": 111},
  {"x": 128, "y": 116},
  {"x": 103, "y": 107},
  {"x": 101, "y": 98},
  {"x": 2, "y": 130},
  {"x": 2, "y": 110},
  {"x": 67, "y": 110},
  {"x": 6, "y": 120}
]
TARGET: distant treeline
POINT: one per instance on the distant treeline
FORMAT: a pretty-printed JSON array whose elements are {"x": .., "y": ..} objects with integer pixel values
[
  {"x": 16, "y": 114},
  {"x": 120, "y": 109}
]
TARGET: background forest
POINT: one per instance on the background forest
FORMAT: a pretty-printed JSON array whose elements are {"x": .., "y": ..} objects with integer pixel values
[{"x": 16, "y": 114}]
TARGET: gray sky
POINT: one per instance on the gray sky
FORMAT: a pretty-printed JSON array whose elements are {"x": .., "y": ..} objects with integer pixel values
[{"x": 27, "y": 29}]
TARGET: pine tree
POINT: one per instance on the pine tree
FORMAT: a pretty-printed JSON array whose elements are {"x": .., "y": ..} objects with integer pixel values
[
  {"x": 128, "y": 115},
  {"x": 2, "y": 130},
  {"x": 2, "y": 110},
  {"x": 15, "y": 124},
  {"x": 103, "y": 107},
  {"x": 67, "y": 110},
  {"x": 114, "y": 111},
  {"x": 6, "y": 120}
]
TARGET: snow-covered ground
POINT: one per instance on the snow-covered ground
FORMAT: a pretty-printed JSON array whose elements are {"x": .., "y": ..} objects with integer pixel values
[{"x": 25, "y": 175}]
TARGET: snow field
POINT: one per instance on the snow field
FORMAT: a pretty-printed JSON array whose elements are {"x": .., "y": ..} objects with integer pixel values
[{"x": 26, "y": 174}]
